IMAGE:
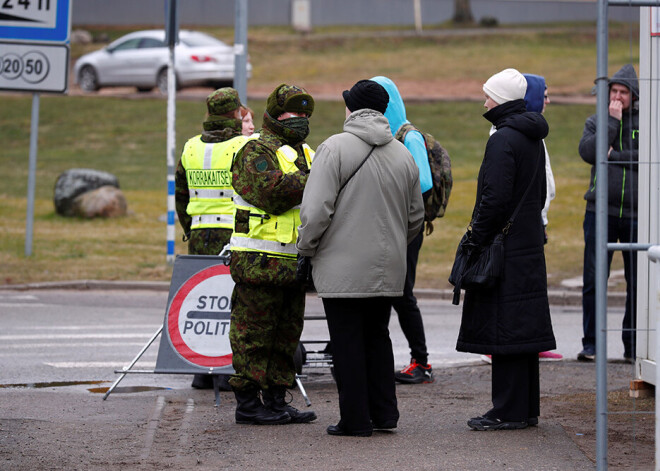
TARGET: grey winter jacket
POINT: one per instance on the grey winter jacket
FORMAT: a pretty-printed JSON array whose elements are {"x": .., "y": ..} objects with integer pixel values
[
  {"x": 358, "y": 239},
  {"x": 623, "y": 137}
]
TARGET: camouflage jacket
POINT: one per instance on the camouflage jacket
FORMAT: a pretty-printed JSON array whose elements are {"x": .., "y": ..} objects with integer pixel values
[
  {"x": 258, "y": 179},
  {"x": 202, "y": 244}
]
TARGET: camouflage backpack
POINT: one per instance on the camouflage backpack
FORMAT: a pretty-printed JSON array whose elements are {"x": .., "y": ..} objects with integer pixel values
[{"x": 436, "y": 201}]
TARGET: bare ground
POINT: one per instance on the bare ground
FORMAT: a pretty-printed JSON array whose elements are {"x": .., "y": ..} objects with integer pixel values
[{"x": 179, "y": 428}]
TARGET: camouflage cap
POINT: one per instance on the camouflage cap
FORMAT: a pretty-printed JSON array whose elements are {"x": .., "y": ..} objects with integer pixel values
[
  {"x": 222, "y": 101},
  {"x": 289, "y": 98}
]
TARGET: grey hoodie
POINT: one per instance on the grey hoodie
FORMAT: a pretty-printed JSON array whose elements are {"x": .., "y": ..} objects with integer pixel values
[
  {"x": 357, "y": 239},
  {"x": 623, "y": 137}
]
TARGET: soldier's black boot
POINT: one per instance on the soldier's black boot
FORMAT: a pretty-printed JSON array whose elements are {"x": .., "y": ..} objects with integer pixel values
[
  {"x": 275, "y": 400},
  {"x": 251, "y": 411}
]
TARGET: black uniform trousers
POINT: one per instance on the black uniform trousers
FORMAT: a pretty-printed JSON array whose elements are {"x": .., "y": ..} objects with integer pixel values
[
  {"x": 363, "y": 361},
  {"x": 515, "y": 387},
  {"x": 410, "y": 318}
]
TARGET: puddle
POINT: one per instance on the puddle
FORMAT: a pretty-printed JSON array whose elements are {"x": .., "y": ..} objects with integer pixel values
[
  {"x": 100, "y": 390},
  {"x": 127, "y": 389},
  {"x": 52, "y": 384}
]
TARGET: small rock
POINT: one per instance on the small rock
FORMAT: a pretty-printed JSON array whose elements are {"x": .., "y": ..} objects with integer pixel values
[
  {"x": 80, "y": 36},
  {"x": 105, "y": 202}
]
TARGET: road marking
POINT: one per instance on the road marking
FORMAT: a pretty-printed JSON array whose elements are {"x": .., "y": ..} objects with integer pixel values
[
  {"x": 151, "y": 327},
  {"x": 152, "y": 426},
  {"x": 22, "y": 305},
  {"x": 28, "y": 297},
  {"x": 74, "y": 336},
  {"x": 31, "y": 346},
  {"x": 94, "y": 364},
  {"x": 184, "y": 431}
]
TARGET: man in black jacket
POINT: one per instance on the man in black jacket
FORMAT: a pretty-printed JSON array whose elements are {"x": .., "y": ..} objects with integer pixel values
[{"x": 622, "y": 156}]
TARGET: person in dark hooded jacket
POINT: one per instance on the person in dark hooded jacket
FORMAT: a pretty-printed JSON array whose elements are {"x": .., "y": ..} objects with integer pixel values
[
  {"x": 622, "y": 157},
  {"x": 510, "y": 321}
]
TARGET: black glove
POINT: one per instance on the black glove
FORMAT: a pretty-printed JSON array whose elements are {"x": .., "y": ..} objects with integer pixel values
[{"x": 304, "y": 270}]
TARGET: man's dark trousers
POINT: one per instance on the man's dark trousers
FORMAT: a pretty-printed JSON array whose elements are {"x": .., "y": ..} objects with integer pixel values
[{"x": 622, "y": 230}]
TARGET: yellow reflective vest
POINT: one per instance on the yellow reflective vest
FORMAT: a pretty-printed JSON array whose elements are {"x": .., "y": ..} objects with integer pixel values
[
  {"x": 208, "y": 173},
  {"x": 269, "y": 233}
]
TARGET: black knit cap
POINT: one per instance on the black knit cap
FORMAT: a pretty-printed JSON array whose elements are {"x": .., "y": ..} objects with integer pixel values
[{"x": 366, "y": 94}]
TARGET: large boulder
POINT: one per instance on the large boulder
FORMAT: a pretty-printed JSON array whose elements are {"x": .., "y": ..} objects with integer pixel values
[
  {"x": 105, "y": 202},
  {"x": 75, "y": 182}
]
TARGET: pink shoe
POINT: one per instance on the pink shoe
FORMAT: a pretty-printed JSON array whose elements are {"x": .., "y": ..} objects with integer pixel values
[{"x": 550, "y": 356}]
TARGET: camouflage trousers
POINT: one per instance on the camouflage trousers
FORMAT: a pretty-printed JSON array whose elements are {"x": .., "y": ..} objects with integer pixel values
[
  {"x": 208, "y": 241},
  {"x": 266, "y": 324}
]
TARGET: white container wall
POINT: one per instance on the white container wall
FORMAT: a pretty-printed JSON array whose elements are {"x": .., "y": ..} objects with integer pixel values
[{"x": 648, "y": 286}]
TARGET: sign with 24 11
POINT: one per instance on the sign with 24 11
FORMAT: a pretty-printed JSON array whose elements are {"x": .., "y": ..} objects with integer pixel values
[{"x": 35, "y": 20}]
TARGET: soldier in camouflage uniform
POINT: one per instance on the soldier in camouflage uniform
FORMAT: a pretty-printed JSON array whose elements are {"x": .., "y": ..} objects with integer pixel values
[
  {"x": 199, "y": 216},
  {"x": 269, "y": 175}
]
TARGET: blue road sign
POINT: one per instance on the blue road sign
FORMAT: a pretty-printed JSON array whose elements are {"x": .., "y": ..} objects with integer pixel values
[{"x": 35, "y": 20}]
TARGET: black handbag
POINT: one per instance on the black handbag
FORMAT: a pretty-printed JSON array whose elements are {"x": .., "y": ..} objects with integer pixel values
[{"x": 481, "y": 266}]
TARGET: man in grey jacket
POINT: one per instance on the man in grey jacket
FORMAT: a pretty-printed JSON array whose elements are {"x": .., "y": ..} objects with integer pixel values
[{"x": 356, "y": 236}]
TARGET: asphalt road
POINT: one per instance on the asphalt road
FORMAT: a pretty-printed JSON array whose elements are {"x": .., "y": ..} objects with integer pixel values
[
  {"x": 76, "y": 335},
  {"x": 59, "y": 350}
]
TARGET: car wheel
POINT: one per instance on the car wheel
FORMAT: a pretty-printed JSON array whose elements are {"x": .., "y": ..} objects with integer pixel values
[
  {"x": 144, "y": 89},
  {"x": 161, "y": 81},
  {"x": 88, "y": 79}
]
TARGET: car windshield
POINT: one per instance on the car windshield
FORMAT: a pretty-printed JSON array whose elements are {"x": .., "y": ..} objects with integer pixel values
[{"x": 197, "y": 40}]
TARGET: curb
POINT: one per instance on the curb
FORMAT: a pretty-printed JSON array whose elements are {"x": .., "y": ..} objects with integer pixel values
[
  {"x": 90, "y": 285},
  {"x": 555, "y": 297}
]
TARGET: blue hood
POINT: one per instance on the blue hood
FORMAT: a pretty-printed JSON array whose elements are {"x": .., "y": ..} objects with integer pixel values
[
  {"x": 396, "y": 111},
  {"x": 535, "y": 95}
]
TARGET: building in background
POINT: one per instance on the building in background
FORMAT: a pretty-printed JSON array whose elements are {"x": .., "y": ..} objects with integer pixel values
[{"x": 338, "y": 12}]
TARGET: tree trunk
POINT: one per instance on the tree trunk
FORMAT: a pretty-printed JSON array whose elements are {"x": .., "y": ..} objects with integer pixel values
[{"x": 462, "y": 12}]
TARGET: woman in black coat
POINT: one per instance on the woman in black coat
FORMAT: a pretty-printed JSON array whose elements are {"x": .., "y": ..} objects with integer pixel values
[{"x": 511, "y": 321}]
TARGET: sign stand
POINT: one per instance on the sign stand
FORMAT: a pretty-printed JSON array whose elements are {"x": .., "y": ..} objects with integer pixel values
[{"x": 195, "y": 331}]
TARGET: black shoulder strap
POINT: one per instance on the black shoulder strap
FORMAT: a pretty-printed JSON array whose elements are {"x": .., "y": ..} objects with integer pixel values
[
  {"x": 356, "y": 170},
  {"x": 515, "y": 211},
  {"x": 529, "y": 187}
]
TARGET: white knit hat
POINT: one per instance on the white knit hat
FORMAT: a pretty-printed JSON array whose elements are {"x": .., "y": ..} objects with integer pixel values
[{"x": 507, "y": 85}]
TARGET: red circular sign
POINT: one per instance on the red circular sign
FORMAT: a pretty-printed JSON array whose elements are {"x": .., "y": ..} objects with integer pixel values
[{"x": 199, "y": 316}]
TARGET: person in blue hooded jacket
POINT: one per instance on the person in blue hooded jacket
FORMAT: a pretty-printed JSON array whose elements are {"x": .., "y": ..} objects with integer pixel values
[
  {"x": 536, "y": 99},
  {"x": 410, "y": 317}
]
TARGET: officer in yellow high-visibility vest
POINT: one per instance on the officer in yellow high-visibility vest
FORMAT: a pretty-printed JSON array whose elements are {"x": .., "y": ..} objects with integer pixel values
[
  {"x": 269, "y": 176},
  {"x": 203, "y": 189}
]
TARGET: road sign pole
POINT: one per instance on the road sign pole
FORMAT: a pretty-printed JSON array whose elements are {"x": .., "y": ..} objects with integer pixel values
[
  {"x": 171, "y": 22},
  {"x": 34, "y": 43},
  {"x": 32, "y": 170},
  {"x": 240, "y": 48}
]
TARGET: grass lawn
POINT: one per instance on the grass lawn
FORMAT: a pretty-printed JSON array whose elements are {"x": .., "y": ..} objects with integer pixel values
[{"x": 128, "y": 138}]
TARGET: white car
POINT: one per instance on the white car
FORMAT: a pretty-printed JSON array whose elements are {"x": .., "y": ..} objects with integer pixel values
[{"x": 140, "y": 60}]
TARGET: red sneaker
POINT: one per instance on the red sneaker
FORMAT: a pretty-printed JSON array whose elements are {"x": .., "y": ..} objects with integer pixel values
[{"x": 415, "y": 373}]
